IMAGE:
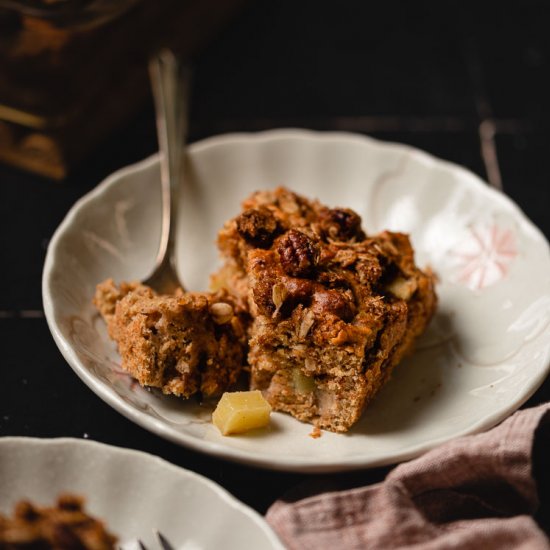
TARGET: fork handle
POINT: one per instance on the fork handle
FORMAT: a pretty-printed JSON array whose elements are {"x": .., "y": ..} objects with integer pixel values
[{"x": 170, "y": 86}]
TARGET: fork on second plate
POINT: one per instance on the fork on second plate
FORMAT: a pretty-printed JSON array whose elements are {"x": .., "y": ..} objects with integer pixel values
[{"x": 137, "y": 544}]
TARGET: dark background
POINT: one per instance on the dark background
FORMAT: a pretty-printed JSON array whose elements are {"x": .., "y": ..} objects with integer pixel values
[{"x": 467, "y": 84}]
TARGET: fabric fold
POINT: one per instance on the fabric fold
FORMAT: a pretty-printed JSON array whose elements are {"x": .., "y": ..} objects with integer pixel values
[{"x": 476, "y": 491}]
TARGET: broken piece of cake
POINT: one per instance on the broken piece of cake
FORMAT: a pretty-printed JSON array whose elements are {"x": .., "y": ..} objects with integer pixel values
[
  {"x": 184, "y": 344},
  {"x": 334, "y": 311}
]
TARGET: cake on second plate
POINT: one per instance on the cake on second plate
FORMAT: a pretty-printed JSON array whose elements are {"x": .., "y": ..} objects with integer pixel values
[
  {"x": 64, "y": 526},
  {"x": 334, "y": 311}
]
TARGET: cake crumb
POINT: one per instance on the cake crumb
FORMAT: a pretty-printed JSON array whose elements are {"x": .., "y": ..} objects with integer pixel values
[{"x": 316, "y": 432}]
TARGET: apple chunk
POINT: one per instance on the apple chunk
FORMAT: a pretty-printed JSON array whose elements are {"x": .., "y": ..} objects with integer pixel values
[{"x": 241, "y": 411}]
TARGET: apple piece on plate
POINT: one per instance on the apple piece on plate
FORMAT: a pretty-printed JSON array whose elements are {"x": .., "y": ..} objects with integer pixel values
[{"x": 240, "y": 411}]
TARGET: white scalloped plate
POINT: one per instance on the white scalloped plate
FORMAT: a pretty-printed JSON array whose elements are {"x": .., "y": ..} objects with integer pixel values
[
  {"x": 485, "y": 353},
  {"x": 132, "y": 492}
]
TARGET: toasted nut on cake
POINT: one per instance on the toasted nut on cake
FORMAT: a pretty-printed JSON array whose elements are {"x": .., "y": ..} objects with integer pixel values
[
  {"x": 221, "y": 313},
  {"x": 257, "y": 226},
  {"x": 402, "y": 288},
  {"x": 279, "y": 294},
  {"x": 297, "y": 252}
]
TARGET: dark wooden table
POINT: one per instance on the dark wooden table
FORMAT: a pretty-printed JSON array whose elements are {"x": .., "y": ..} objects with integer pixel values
[{"x": 470, "y": 86}]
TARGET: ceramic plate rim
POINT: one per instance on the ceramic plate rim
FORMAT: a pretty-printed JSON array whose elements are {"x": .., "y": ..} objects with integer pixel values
[{"x": 292, "y": 464}]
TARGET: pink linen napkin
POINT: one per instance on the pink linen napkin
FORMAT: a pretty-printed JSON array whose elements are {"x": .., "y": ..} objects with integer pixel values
[{"x": 476, "y": 492}]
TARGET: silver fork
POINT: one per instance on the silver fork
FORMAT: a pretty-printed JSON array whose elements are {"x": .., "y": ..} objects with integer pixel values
[
  {"x": 164, "y": 543},
  {"x": 170, "y": 86}
]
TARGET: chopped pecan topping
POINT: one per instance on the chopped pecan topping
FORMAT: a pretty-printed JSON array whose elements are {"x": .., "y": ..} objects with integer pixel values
[
  {"x": 299, "y": 290},
  {"x": 335, "y": 302},
  {"x": 297, "y": 253},
  {"x": 257, "y": 226},
  {"x": 342, "y": 224}
]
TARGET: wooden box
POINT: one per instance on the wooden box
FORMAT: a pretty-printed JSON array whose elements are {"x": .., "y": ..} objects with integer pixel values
[{"x": 71, "y": 71}]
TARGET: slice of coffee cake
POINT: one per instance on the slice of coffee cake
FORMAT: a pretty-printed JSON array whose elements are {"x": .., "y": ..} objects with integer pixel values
[{"x": 333, "y": 310}]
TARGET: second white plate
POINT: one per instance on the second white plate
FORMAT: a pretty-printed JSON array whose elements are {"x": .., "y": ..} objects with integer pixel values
[
  {"x": 486, "y": 352},
  {"x": 132, "y": 492}
]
